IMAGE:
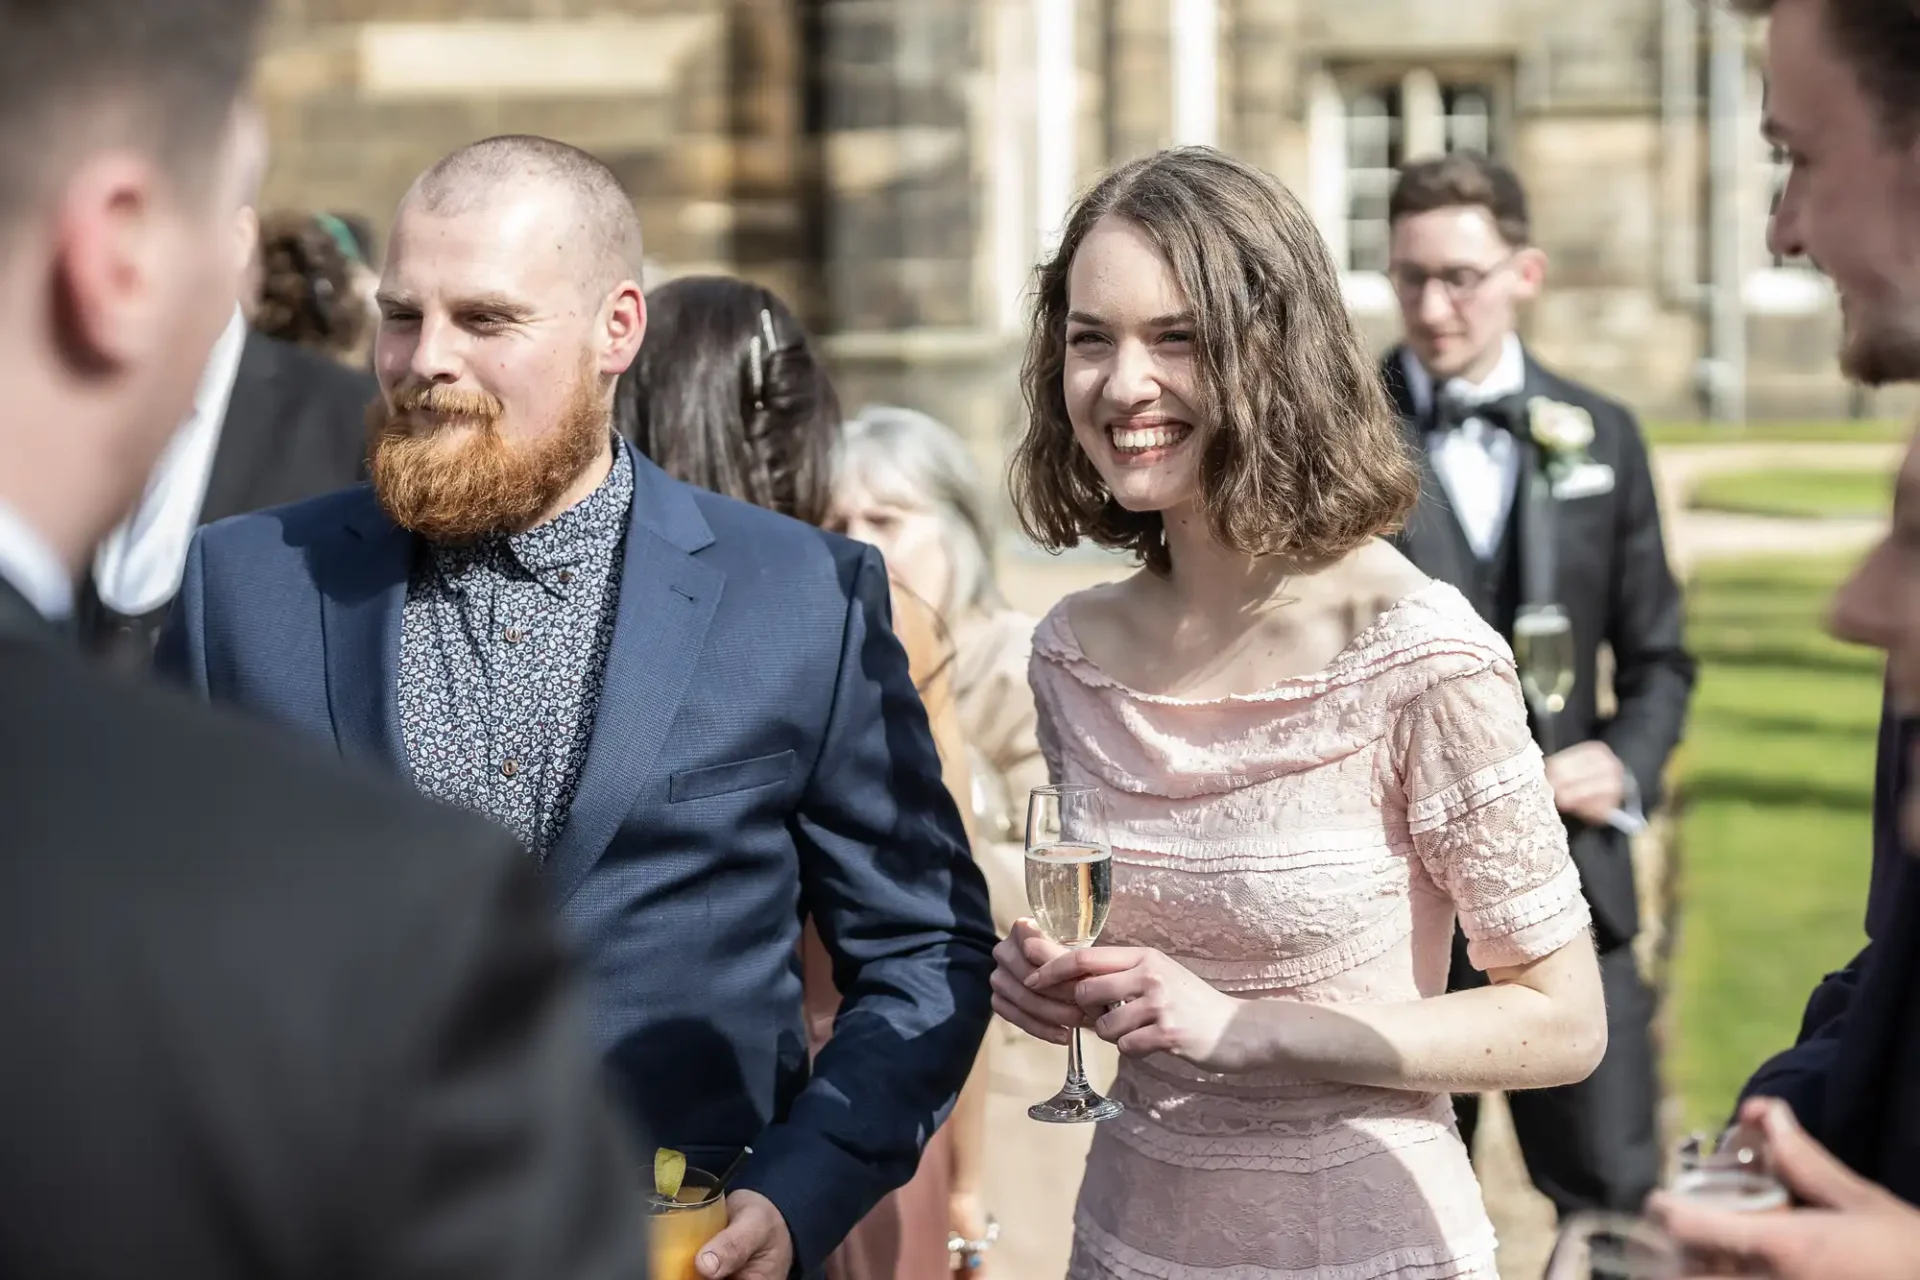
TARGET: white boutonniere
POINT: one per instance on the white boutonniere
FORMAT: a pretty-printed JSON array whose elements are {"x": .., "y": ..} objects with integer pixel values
[{"x": 1563, "y": 432}]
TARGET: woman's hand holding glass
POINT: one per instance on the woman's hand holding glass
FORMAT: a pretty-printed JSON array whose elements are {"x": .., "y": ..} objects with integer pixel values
[
  {"x": 1137, "y": 999},
  {"x": 1049, "y": 1015}
]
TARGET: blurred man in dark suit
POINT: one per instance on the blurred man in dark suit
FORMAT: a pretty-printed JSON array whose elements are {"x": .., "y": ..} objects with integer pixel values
[
  {"x": 270, "y": 422},
  {"x": 1537, "y": 501},
  {"x": 263, "y": 1018},
  {"x": 1843, "y": 102}
]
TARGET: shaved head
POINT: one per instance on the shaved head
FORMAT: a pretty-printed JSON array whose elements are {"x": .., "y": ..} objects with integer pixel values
[{"x": 500, "y": 168}]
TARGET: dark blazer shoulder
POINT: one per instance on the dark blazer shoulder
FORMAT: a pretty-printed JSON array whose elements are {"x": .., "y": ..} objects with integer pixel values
[
  {"x": 222, "y": 775},
  {"x": 311, "y": 371},
  {"x": 1549, "y": 382},
  {"x": 777, "y": 542},
  {"x": 298, "y": 522}
]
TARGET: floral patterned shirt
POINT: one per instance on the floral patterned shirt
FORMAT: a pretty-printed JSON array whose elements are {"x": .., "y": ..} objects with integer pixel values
[{"x": 503, "y": 648}]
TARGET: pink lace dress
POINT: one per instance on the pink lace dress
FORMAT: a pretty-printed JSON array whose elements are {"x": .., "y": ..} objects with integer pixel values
[{"x": 1312, "y": 842}]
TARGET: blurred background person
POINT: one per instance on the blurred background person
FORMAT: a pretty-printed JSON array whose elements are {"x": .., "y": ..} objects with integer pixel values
[
  {"x": 271, "y": 422},
  {"x": 1538, "y": 503},
  {"x": 905, "y": 482},
  {"x": 729, "y": 393},
  {"x": 316, "y": 286},
  {"x": 268, "y": 1018}
]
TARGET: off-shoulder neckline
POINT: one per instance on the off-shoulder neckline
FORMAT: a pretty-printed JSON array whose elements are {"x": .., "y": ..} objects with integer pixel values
[{"x": 1058, "y": 626}]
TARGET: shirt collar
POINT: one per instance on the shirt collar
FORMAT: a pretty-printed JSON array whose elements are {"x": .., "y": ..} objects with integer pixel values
[
  {"x": 596, "y": 523},
  {"x": 222, "y": 367},
  {"x": 32, "y": 566},
  {"x": 1507, "y": 377}
]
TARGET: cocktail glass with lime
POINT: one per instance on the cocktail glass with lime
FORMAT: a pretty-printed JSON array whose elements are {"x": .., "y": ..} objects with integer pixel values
[{"x": 686, "y": 1211}]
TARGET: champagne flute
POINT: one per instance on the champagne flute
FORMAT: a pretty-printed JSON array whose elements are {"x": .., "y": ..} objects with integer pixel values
[
  {"x": 1070, "y": 887},
  {"x": 1543, "y": 650},
  {"x": 1613, "y": 1246}
]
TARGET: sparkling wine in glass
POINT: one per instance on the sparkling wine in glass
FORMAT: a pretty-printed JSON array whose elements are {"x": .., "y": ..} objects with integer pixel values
[
  {"x": 1543, "y": 651},
  {"x": 1070, "y": 888}
]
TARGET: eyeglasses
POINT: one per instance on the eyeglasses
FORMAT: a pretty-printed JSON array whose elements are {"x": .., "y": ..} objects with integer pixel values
[{"x": 1458, "y": 282}]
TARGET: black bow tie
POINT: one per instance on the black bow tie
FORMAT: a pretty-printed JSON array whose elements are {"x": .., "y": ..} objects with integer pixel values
[{"x": 1507, "y": 413}]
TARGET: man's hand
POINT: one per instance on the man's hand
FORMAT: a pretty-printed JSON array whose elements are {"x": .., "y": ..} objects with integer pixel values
[
  {"x": 1589, "y": 782},
  {"x": 755, "y": 1245},
  {"x": 1853, "y": 1230}
]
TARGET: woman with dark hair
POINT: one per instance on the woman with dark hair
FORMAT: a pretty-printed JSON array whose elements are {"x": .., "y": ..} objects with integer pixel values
[
  {"x": 314, "y": 286},
  {"x": 1314, "y": 757},
  {"x": 729, "y": 394}
]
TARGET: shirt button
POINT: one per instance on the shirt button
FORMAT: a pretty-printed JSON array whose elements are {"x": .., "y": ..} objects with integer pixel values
[
  {"x": 566, "y": 576},
  {"x": 514, "y": 635},
  {"x": 509, "y": 768}
]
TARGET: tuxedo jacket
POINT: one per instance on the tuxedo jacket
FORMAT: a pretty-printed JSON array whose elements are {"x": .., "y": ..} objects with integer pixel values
[
  {"x": 268, "y": 1019},
  {"x": 758, "y": 756},
  {"x": 1601, "y": 557},
  {"x": 1853, "y": 1076},
  {"x": 295, "y": 427}
]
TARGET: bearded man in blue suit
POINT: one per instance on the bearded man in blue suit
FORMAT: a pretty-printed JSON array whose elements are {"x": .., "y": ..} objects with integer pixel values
[{"x": 692, "y": 712}]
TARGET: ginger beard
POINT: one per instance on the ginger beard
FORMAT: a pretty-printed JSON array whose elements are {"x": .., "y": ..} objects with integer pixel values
[{"x": 442, "y": 469}]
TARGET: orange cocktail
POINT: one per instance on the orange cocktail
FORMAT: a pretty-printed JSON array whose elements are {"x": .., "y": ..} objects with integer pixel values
[{"x": 680, "y": 1228}]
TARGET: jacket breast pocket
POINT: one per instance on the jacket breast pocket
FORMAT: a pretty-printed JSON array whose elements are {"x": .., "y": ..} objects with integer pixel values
[{"x": 723, "y": 779}]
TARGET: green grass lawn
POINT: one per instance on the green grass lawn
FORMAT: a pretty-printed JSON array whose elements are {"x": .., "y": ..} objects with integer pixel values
[
  {"x": 1776, "y": 780},
  {"x": 1838, "y": 431},
  {"x": 1805, "y": 492}
]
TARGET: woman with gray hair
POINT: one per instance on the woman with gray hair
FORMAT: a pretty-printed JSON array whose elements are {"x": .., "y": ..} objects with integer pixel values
[{"x": 906, "y": 483}]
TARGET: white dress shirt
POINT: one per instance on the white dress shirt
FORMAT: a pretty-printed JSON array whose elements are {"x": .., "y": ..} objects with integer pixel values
[
  {"x": 1477, "y": 462},
  {"x": 139, "y": 566},
  {"x": 32, "y": 567}
]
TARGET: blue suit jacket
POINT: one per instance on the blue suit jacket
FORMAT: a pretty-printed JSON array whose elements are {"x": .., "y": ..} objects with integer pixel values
[
  {"x": 1840, "y": 1075},
  {"x": 759, "y": 755}
]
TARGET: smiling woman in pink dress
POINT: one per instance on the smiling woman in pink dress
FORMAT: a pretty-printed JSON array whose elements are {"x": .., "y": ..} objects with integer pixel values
[{"x": 1314, "y": 756}]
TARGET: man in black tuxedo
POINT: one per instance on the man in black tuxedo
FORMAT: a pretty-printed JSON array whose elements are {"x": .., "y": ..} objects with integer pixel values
[
  {"x": 1843, "y": 103},
  {"x": 270, "y": 423},
  {"x": 1537, "y": 497},
  {"x": 263, "y": 1017}
]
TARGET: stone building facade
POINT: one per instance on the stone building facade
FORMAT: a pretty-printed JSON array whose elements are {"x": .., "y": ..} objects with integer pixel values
[{"x": 896, "y": 166}]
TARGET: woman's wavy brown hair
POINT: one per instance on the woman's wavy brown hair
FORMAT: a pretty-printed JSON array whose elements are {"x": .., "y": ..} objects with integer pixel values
[
  {"x": 1305, "y": 456},
  {"x": 307, "y": 293}
]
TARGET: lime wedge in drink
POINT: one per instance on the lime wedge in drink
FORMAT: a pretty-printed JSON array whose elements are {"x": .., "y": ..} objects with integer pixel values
[{"x": 669, "y": 1170}]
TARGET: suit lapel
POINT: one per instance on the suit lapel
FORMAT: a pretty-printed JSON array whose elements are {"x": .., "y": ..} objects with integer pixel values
[
  {"x": 21, "y": 621},
  {"x": 252, "y": 412},
  {"x": 363, "y": 598},
  {"x": 1535, "y": 515},
  {"x": 1433, "y": 538},
  {"x": 667, "y": 601}
]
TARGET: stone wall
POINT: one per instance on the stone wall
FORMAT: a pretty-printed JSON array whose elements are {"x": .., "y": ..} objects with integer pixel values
[{"x": 852, "y": 154}]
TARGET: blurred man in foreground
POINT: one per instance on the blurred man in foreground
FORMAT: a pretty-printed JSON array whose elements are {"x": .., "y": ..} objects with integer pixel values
[
  {"x": 262, "y": 1018},
  {"x": 1844, "y": 103}
]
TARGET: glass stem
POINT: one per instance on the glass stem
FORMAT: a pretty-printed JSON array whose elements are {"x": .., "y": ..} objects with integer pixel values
[
  {"x": 1546, "y": 730},
  {"x": 1076, "y": 1072}
]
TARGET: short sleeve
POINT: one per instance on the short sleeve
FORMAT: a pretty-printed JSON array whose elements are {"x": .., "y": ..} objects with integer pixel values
[{"x": 1482, "y": 818}]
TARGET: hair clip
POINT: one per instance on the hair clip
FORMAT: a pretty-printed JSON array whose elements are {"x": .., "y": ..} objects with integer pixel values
[
  {"x": 757, "y": 355},
  {"x": 756, "y": 374}
]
